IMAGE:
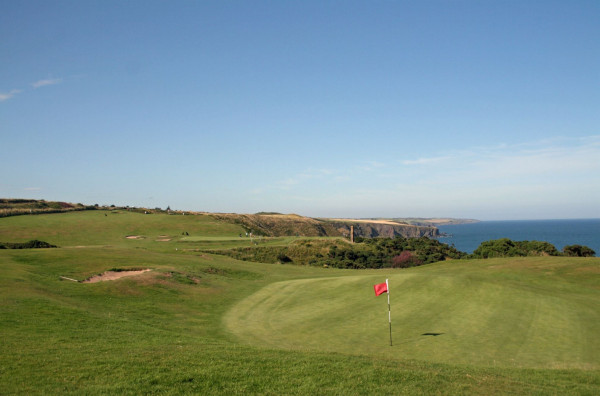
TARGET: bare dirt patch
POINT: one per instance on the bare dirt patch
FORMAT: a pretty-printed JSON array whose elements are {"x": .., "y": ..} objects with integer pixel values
[{"x": 112, "y": 275}]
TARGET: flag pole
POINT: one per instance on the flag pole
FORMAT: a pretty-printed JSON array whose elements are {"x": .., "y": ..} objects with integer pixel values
[{"x": 389, "y": 309}]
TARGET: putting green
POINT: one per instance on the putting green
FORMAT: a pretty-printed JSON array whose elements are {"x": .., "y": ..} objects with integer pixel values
[{"x": 474, "y": 313}]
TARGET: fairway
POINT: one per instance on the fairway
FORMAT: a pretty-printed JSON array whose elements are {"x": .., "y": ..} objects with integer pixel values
[
  {"x": 491, "y": 313},
  {"x": 200, "y": 323}
]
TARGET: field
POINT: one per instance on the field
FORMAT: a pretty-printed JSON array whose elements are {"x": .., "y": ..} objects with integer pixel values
[{"x": 205, "y": 324}]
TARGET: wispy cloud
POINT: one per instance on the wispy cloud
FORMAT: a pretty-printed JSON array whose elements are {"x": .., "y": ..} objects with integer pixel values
[
  {"x": 549, "y": 177},
  {"x": 370, "y": 166},
  {"x": 309, "y": 174},
  {"x": 38, "y": 84},
  {"x": 559, "y": 159},
  {"x": 425, "y": 161},
  {"x": 43, "y": 83},
  {"x": 327, "y": 178},
  {"x": 8, "y": 95}
]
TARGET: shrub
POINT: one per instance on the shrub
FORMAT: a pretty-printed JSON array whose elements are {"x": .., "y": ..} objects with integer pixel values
[
  {"x": 406, "y": 259},
  {"x": 497, "y": 248},
  {"x": 507, "y": 248},
  {"x": 33, "y": 244},
  {"x": 578, "y": 251},
  {"x": 283, "y": 258}
]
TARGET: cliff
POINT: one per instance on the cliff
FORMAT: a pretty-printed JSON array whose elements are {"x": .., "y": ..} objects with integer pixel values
[
  {"x": 275, "y": 224},
  {"x": 378, "y": 228}
]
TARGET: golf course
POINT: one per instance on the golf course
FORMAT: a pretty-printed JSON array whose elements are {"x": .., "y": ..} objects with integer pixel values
[{"x": 176, "y": 318}]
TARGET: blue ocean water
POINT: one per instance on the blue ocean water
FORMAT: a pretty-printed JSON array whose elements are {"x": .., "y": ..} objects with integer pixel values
[{"x": 467, "y": 237}]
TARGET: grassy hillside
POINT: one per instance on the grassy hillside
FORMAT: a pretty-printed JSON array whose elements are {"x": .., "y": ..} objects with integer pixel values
[
  {"x": 206, "y": 324},
  {"x": 268, "y": 224},
  {"x": 101, "y": 228},
  {"x": 16, "y": 207}
]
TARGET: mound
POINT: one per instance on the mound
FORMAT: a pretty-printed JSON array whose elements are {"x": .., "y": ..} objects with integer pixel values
[{"x": 495, "y": 313}]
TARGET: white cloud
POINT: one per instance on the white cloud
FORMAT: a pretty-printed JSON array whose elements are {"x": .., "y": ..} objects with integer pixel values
[
  {"x": 370, "y": 166},
  {"x": 554, "y": 177},
  {"x": 8, "y": 95},
  {"x": 35, "y": 85},
  {"x": 43, "y": 83},
  {"x": 309, "y": 174},
  {"x": 425, "y": 161},
  {"x": 549, "y": 157}
]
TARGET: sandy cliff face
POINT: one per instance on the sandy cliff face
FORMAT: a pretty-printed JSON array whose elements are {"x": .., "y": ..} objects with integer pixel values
[
  {"x": 389, "y": 230},
  {"x": 292, "y": 225},
  {"x": 280, "y": 224}
]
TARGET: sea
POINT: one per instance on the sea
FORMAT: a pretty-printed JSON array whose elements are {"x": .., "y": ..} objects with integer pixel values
[{"x": 467, "y": 237}]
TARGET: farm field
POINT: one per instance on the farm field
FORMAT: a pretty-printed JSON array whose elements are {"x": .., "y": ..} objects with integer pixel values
[{"x": 198, "y": 323}]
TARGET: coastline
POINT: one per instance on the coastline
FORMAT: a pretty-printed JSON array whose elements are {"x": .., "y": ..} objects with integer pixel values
[{"x": 562, "y": 232}]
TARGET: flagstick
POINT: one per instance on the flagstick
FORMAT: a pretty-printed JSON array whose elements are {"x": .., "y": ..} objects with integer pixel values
[{"x": 389, "y": 309}]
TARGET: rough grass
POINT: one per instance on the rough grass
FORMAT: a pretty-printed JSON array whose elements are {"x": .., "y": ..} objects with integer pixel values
[{"x": 180, "y": 329}]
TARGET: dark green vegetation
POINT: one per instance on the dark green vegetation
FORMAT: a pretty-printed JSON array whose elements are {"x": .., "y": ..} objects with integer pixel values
[
  {"x": 398, "y": 252},
  {"x": 507, "y": 248},
  {"x": 33, "y": 244},
  {"x": 200, "y": 323},
  {"x": 578, "y": 251},
  {"x": 15, "y": 207}
]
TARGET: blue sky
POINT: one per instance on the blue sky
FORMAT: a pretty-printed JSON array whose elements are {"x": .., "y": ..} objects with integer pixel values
[{"x": 480, "y": 109}]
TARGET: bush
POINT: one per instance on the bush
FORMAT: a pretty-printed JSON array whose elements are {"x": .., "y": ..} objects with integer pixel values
[
  {"x": 578, "y": 251},
  {"x": 33, "y": 244},
  {"x": 405, "y": 259},
  {"x": 507, "y": 248},
  {"x": 283, "y": 258},
  {"x": 371, "y": 253}
]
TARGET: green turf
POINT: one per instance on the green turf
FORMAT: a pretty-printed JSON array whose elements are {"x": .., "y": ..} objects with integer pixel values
[
  {"x": 207, "y": 324},
  {"x": 493, "y": 313},
  {"x": 111, "y": 228}
]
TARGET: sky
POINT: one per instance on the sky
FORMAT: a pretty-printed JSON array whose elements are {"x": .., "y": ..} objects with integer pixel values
[{"x": 472, "y": 109}]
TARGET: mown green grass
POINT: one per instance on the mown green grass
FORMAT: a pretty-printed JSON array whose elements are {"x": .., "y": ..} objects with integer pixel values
[
  {"x": 490, "y": 313},
  {"x": 91, "y": 228},
  {"x": 280, "y": 329}
]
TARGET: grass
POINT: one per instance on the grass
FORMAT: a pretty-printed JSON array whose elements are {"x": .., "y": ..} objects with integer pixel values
[
  {"x": 480, "y": 313},
  {"x": 524, "y": 326},
  {"x": 106, "y": 228}
]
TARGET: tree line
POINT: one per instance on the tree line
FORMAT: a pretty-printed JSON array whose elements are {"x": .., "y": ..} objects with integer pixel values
[{"x": 505, "y": 247}]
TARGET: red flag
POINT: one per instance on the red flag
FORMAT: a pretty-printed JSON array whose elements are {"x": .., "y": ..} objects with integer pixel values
[{"x": 380, "y": 288}]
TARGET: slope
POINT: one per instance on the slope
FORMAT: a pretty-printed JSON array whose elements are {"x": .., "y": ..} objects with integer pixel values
[
  {"x": 513, "y": 312},
  {"x": 165, "y": 331}
]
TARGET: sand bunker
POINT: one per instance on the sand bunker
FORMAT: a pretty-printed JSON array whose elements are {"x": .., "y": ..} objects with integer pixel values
[
  {"x": 112, "y": 275},
  {"x": 134, "y": 237}
]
